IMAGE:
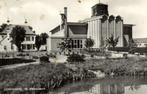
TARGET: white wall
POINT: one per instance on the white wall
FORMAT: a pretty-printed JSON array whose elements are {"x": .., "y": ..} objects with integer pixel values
[
  {"x": 94, "y": 31},
  {"x": 6, "y": 43}
]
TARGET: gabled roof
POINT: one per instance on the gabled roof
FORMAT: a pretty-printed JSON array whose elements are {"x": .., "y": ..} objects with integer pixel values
[
  {"x": 140, "y": 40},
  {"x": 129, "y": 25},
  {"x": 76, "y": 28},
  {"x": 10, "y": 27}
]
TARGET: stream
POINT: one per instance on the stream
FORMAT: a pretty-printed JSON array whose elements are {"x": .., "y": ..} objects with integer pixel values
[{"x": 115, "y": 85}]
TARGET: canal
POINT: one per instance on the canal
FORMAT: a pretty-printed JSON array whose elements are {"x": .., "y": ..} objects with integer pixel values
[{"x": 115, "y": 85}]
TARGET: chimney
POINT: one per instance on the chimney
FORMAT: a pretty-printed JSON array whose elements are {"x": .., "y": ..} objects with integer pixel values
[
  {"x": 65, "y": 11},
  {"x": 65, "y": 26}
]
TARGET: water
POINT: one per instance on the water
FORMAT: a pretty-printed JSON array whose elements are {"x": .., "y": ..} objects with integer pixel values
[{"x": 118, "y": 85}]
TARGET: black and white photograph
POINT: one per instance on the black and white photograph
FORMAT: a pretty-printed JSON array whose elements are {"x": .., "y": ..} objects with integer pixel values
[{"x": 73, "y": 47}]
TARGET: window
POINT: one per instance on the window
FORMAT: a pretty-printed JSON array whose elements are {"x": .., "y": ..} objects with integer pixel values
[
  {"x": 76, "y": 44},
  {"x": 12, "y": 47},
  {"x": 33, "y": 46},
  {"x": 27, "y": 38},
  {"x": 28, "y": 47},
  {"x": 5, "y": 47},
  {"x": 32, "y": 38},
  {"x": 23, "y": 46}
]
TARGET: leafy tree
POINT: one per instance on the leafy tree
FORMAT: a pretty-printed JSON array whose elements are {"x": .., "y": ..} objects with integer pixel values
[
  {"x": 89, "y": 43},
  {"x": 18, "y": 35},
  {"x": 65, "y": 44},
  {"x": 44, "y": 36},
  {"x": 38, "y": 42},
  {"x": 3, "y": 26},
  {"x": 111, "y": 41}
]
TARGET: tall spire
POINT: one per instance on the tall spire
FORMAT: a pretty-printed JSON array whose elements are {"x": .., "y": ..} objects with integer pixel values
[
  {"x": 26, "y": 21},
  {"x": 8, "y": 21}
]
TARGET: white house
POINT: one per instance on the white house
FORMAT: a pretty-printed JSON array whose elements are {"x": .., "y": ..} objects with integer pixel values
[{"x": 5, "y": 40}]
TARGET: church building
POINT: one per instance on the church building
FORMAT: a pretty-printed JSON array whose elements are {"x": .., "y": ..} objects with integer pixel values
[{"x": 99, "y": 27}]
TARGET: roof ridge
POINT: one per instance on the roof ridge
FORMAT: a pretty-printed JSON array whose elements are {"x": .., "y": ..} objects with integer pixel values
[{"x": 3, "y": 39}]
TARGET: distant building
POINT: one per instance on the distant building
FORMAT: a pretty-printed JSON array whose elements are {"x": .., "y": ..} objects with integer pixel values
[
  {"x": 141, "y": 42},
  {"x": 99, "y": 27},
  {"x": 5, "y": 40}
]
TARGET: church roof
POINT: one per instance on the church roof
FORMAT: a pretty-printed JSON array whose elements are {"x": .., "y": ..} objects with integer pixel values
[
  {"x": 131, "y": 25},
  {"x": 75, "y": 27},
  {"x": 10, "y": 27},
  {"x": 78, "y": 28}
]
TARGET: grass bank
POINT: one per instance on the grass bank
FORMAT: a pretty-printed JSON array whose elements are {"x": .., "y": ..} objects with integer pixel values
[
  {"x": 120, "y": 67},
  {"x": 45, "y": 76},
  {"x": 10, "y": 61}
]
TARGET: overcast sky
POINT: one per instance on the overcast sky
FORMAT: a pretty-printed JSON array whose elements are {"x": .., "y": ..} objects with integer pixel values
[{"x": 43, "y": 15}]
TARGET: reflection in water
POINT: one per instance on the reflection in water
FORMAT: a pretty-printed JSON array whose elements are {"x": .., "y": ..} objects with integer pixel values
[
  {"x": 121, "y": 85},
  {"x": 107, "y": 89}
]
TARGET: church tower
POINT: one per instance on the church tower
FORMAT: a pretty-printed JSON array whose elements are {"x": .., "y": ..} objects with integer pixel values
[{"x": 100, "y": 9}]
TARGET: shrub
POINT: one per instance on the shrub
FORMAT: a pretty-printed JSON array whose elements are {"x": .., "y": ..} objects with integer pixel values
[
  {"x": 52, "y": 55},
  {"x": 125, "y": 56},
  {"x": 14, "y": 61},
  {"x": 92, "y": 55},
  {"x": 75, "y": 58},
  {"x": 21, "y": 54},
  {"x": 35, "y": 57},
  {"x": 44, "y": 59}
]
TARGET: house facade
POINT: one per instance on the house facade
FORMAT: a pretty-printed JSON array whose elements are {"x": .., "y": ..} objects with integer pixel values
[
  {"x": 5, "y": 40},
  {"x": 99, "y": 27}
]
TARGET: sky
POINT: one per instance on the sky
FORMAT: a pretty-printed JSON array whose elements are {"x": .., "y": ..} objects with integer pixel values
[{"x": 43, "y": 15}]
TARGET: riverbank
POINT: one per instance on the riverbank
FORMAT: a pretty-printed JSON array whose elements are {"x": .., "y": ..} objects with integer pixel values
[
  {"x": 48, "y": 76},
  {"x": 134, "y": 66},
  {"x": 44, "y": 77},
  {"x": 108, "y": 85}
]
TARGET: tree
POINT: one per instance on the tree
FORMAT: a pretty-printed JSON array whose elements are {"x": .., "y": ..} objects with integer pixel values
[
  {"x": 3, "y": 26},
  {"x": 38, "y": 42},
  {"x": 111, "y": 41},
  {"x": 44, "y": 36},
  {"x": 18, "y": 35},
  {"x": 65, "y": 44},
  {"x": 89, "y": 43}
]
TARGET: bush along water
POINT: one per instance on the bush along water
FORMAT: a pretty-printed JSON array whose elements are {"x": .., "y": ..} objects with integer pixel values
[
  {"x": 75, "y": 58},
  {"x": 46, "y": 76},
  {"x": 44, "y": 59}
]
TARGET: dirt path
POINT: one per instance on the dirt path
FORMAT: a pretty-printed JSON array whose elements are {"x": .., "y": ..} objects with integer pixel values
[{"x": 17, "y": 65}]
